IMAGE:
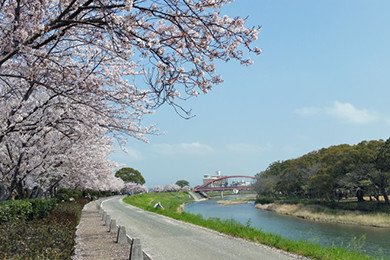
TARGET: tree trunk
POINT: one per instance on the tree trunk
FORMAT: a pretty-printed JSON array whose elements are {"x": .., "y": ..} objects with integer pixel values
[
  {"x": 384, "y": 194},
  {"x": 360, "y": 195}
]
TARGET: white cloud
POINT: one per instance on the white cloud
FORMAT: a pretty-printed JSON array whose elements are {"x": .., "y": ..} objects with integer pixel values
[
  {"x": 343, "y": 111},
  {"x": 194, "y": 148},
  {"x": 307, "y": 111},
  {"x": 244, "y": 148},
  {"x": 347, "y": 111}
]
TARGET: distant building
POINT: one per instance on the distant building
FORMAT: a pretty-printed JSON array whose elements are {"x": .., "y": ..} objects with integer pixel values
[
  {"x": 241, "y": 183},
  {"x": 221, "y": 183}
]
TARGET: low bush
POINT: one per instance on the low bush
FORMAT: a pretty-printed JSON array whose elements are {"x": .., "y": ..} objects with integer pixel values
[
  {"x": 264, "y": 200},
  {"x": 366, "y": 206},
  {"x": 13, "y": 210},
  {"x": 41, "y": 208},
  {"x": 51, "y": 237},
  {"x": 66, "y": 194}
]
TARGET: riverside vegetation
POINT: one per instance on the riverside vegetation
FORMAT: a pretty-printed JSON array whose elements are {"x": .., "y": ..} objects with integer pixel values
[
  {"x": 346, "y": 184},
  {"x": 366, "y": 213},
  {"x": 173, "y": 201},
  {"x": 331, "y": 174}
]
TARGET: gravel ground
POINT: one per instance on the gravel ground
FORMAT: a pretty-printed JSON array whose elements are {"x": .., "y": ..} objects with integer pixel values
[{"x": 93, "y": 241}]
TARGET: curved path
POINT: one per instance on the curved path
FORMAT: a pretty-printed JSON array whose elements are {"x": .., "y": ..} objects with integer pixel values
[{"x": 166, "y": 238}]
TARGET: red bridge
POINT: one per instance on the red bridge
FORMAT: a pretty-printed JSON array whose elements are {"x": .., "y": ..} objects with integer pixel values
[{"x": 222, "y": 184}]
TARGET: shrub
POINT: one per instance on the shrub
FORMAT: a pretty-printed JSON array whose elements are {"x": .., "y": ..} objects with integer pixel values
[
  {"x": 66, "y": 194},
  {"x": 49, "y": 238},
  {"x": 13, "y": 210},
  {"x": 41, "y": 208},
  {"x": 264, "y": 200}
]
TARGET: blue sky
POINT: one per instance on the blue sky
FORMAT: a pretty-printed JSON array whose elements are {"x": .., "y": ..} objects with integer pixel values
[{"x": 323, "y": 79}]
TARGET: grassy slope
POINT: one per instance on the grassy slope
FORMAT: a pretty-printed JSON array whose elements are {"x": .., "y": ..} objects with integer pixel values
[{"x": 171, "y": 202}]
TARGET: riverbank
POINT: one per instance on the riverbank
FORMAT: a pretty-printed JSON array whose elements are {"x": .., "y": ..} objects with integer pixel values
[
  {"x": 327, "y": 215},
  {"x": 173, "y": 201},
  {"x": 236, "y": 201}
]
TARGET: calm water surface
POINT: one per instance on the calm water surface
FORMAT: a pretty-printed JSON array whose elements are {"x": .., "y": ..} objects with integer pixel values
[{"x": 376, "y": 242}]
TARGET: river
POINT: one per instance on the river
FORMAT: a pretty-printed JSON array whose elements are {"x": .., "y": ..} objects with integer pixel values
[{"x": 368, "y": 240}]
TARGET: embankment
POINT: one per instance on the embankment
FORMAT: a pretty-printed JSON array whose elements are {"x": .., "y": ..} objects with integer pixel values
[
  {"x": 323, "y": 214},
  {"x": 236, "y": 201}
]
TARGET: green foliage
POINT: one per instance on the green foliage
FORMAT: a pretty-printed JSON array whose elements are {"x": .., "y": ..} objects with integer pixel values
[
  {"x": 66, "y": 194},
  {"x": 14, "y": 210},
  {"x": 367, "y": 206},
  {"x": 234, "y": 228},
  {"x": 42, "y": 208},
  {"x": 264, "y": 200},
  {"x": 98, "y": 193},
  {"x": 182, "y": 183},
  {"x": 331, "y": 174},
  {"x": 49, "y": 238},
  {"x": 128, "y": 174}
]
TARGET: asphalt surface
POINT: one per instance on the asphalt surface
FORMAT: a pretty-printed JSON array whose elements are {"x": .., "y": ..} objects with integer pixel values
[{"x": 166, "y": 238}]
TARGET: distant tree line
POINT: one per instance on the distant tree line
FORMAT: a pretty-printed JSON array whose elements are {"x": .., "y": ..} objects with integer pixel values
[{"x": 332, "y": 173}]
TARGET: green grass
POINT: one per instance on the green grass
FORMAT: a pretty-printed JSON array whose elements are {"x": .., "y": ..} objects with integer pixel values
[{"x": 171, "y": 201}]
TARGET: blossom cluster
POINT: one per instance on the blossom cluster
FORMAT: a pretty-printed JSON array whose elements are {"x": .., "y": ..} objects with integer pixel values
[
  {"x": 135, "y": 188},
  {"x": 170, "y": 188},
  {"x": 70, "y": 74}
]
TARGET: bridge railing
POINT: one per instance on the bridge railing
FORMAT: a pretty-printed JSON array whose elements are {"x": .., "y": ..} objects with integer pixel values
[
  {"x": 222, "y": 188},
  {"x": 206, "y": 186}
]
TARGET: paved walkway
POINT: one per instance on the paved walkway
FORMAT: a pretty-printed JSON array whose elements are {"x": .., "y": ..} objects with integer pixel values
[
  {"x": 196, "y": 196},
  {"x": 161, "y": 237},
  {"x": 93, "y": 241},
  {"x": 164, "y": 238}
]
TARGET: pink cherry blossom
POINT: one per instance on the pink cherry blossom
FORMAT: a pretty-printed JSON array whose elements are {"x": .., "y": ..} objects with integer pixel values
[{"x": 69, "y": 73}]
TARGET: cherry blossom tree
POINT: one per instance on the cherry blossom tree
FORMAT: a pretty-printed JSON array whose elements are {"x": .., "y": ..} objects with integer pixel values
[
  {"x": 70, "y": 73},
  {"x": 157, "y": 189},
  {"x": 89, "y": 169},
  {"x": 135, "y": 188},
  {"x": 171, "y": 188},
  {"x": 186, "y": 188}
]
